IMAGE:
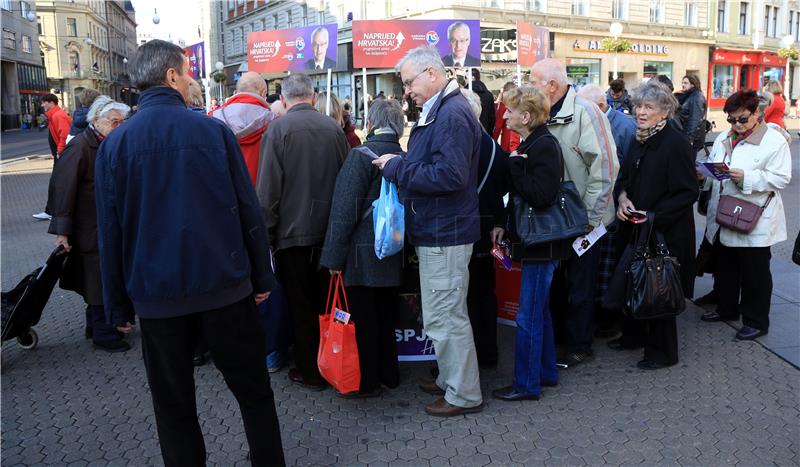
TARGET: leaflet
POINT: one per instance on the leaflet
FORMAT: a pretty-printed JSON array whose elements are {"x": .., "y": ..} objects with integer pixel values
[
  {"x": 717, "y": 170},
  {"x": 582, "y": 244}
]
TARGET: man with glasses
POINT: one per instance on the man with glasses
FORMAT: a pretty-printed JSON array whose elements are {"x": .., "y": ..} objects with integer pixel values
[{"x": 437, "y": 181}]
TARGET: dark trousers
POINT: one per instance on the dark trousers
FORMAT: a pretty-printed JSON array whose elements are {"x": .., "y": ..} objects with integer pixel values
[
  {"x": 372, "y": 311},
  {"x": 482, "y": 307},
  {"x": 306, "y": 288},
  {"x": 236, "y": 342},
  {"x": 101, "y": 331},
  {"x": 53, "y": 150},
  {"x": 574, "y": 298},
  {"x": 743, "y": 283},
  {"x": 659, "y": 337}
]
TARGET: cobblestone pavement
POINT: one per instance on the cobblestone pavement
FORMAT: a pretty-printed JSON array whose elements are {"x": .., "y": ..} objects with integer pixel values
[{"x": 64, "y": 404}]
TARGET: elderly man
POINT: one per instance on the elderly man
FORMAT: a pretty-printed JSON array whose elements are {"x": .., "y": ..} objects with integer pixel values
[
  {"x": 590, "y": 161},
  {"x": 183, "y": 244},
  {"x": 301, "y": 154},
  {"x": 319, "y": 47},
  {"x": 623, "y": 127},
  {"x": 247, "y": 114},
  {"x": 458, "y": 35},
  {"x": 437, "y": 181}
]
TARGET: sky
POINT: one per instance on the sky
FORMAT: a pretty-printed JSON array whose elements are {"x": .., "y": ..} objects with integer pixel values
[{"x": 179, "y": 19}]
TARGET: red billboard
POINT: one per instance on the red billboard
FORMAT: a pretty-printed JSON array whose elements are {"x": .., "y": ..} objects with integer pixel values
[
  {"x": 310, "y": 49},
  {"x": 533, "y": 43},
  {"x": 382, "y": 43}
]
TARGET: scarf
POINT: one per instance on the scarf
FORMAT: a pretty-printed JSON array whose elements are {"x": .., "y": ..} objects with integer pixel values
[
  {"x": 737, "y": 138},
  {"x": 643, "y": 134},
  {"x": 97, "y": 134}
]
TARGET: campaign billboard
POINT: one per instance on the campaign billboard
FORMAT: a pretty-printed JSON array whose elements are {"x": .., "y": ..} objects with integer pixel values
[
  {"x": 309, "y": 49},
  {"x": 197, "y": 60},
  {"x": 382, "y": 43},
  {"x": 533, "y": 43}
]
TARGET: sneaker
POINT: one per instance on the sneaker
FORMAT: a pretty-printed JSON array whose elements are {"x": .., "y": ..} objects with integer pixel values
[
  {"x": 42, "y": 216},
  {"x": 275, "y": 361}
]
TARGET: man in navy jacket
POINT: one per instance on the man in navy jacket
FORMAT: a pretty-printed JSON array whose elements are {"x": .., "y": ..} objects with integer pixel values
[
  {"x": 438, "y": 181},
  {"x": 183, "y": 244}
]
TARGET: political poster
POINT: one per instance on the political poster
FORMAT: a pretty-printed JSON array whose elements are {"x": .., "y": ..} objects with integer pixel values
[
  {"x": 413, "y": 344},
  {"x": 382, "y": 43},
  {"x": 533, "y": 43},
  {"x": 197, "y": 61},
  {"x": 309, "y": 49}
]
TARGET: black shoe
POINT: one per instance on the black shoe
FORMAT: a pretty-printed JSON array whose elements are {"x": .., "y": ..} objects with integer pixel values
[
  {"x": 201, "y": 359},
  {"x": 707, "y": 299},
  {"x": 112, "y": 346},
  {"x": 509, "y": 394},
  {"x": 747, "y": 333},
  {"x": 713, "y": 317},
  {"x": 549, "y": 384},
  {"x": 574, "y": 359},
  {"x": 360, "y": 394},
  {"x": 620, "y": 344},
  {"x": 646, "y": 364}
]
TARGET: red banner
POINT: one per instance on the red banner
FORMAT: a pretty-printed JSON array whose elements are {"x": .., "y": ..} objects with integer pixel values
[
  {"x": 533, "y": 43},
  {"x": 382, "y": 43},
  {"x": 312, "y": 48}
]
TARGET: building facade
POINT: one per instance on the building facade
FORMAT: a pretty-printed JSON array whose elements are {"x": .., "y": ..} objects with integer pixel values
[{"x": 23, "y": 76}]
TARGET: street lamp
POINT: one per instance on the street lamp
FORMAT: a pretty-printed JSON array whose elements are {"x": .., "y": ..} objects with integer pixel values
[
  {"x": 31, "y": 16},
  {"x": 616, "y": 30},
  {"x": 156, "y": 19},
  {"x": 787, "y": 42},
  {"x": 219, "y": 66},
  {"x": 125, "y": 60},
  {"x": 88, "y": 41}
]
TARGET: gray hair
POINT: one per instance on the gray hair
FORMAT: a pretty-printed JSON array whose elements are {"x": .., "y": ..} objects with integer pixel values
[
  {"x": 103, "y": 105},
  {"x": 655, "y": 92},
  {"x": 592, "y": 93},
  {"x": 149, "y": 65},
  {"x": 423, "y": 57},
  {"x": 297, "y": 86},
  {"x": 454, "y": 26},
  {"x": 386, "y": 113},
  {"x": 474, "y": 101},
  {"x": 320, "y": 30}
]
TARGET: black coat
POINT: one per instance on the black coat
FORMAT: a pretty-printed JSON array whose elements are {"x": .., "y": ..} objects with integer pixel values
[
  {"x": 691, "y": 115},
  {"x": 487, "y": 117},
  {"x": 659, "y": 176},
  {"x": 537, "y": 180},
  {"x": 490, "y": 198},
  {"x": 350, "y": 238}
]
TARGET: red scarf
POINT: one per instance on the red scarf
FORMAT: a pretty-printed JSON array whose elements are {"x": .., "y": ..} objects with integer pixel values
[{"x": 737, "y": 138}]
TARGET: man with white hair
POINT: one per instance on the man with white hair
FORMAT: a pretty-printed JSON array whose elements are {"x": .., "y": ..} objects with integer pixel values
[
  {"x": 437, "y": 182},
  {"x": 623, "y": 127},
  {"x": 319, "y": 47},
  {"x": 590, "y": 161},
  {"x": 458, "y": 35}
]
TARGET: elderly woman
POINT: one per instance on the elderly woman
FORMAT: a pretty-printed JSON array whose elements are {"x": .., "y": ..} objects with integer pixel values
[
  {"x": 774, "y": 113},
  {"x": 760, "y": 166},
  {"x": 370, "y": 283},
  {"x": 338, "y": 114},
  {"x": 75, "y": 219},
  {"x": 509, "y": 140},
  {"x": 692, "y": 111},
  {"x": 534, "y": 172},
  {"x": 658, "y": 177}
]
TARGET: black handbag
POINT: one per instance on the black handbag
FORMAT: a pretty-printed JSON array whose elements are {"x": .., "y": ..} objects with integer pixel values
[
  {"x": 653, "y": 287},
  {"x": 566, "y": 218},
  {"x": 796, "y": 251}
]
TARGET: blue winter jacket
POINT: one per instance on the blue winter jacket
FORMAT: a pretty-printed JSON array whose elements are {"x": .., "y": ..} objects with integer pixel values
[
  {"x": 179, "y": 225},
  {"x": 79, "y": 121},
  {"x": 623, "y": 129},
  {"x": 438, "y": 178}
]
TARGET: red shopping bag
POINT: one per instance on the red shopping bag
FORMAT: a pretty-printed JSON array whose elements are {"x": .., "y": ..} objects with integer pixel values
[{"x": 337, "y": 358}]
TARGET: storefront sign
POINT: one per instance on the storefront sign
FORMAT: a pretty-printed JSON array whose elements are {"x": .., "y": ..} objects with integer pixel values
[
  {"x": 577, "y": 71},
  {"x": 382, "y": 43},
  {"x": 197, "y": 61},
  {"x": 740, "y": 57},
  {"x": 498, "y": 45},
  {"x": 636, "y": 48},
  {"x": 309, "y": 48},
  {"x": 533, "y": 43}
]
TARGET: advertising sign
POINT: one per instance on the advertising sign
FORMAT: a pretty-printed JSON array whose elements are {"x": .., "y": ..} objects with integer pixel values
[
  {"x": 382, "y": 43},
  {"x": 533, "y": 43},
  {"x": 309, "y": 49},
  {"x": 197, "y": 61}
]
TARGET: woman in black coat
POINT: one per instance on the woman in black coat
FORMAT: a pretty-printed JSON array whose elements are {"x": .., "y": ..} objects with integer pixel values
[
  {"x": 692, "y": 112},
  {"x": 74, "y": 221},
  {"x": 658, "y": 177}
]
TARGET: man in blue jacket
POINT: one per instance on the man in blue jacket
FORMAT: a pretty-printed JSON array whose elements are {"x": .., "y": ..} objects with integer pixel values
[
  {"x": 182, "y": 243},
  {"x": 437, "y": 181}
]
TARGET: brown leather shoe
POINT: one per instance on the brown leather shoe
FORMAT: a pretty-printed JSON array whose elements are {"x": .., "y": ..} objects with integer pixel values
[
  {"x": 442, "y": 408},
  {"x": 431, "y": 388},
  {"x": 296, "y": 377}
]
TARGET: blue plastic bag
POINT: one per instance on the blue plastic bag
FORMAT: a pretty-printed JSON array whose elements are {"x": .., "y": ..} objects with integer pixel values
[{"x": 388, "y": 219}]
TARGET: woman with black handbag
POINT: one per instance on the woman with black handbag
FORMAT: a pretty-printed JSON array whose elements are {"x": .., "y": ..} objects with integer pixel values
[
  {"x": 658, "y": 177},
  {"x": 535, "y": 170}
]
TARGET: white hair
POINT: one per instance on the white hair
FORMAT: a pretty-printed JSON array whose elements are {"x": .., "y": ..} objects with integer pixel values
[
  {"x": 103, "y": 105},
  {"x": 592, "y": 93},
  {"x": 474, "y": 101},
  {"x": 454, "y": 26},
  {"x": 320, "y": 30},
  {"x": 551, "y": 69},
  {"x": 423, "y": 57}
]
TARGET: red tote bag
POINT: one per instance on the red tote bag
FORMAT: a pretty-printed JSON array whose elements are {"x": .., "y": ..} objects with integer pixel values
[{"x": 337, "y": 358}]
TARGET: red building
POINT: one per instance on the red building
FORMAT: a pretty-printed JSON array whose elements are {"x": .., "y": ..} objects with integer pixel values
[{"x": 732, "y": 70}]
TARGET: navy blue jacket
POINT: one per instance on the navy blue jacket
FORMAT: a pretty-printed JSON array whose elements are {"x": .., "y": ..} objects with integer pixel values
[
  {"x": 623, "y": 129},
  {"x": 79, "y": 122},
  {"x": 180, "y": 228},
  {"x": 490, "y": 198},
  {"x": 438, "y": 178}
]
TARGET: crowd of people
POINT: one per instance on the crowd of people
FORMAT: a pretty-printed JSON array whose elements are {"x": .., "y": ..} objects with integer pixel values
[{"x": 190, "y": 220}]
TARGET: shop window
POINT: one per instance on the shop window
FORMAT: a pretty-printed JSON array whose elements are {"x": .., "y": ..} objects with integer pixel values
[
  {"x": 722, "y": 16},
  {"x": 619, "y": 9},
  {"x": 580, "y": 7},
  {"x": 9, "y": 39},
  {"x": 72, "y": 27},
  {"x": 744, "y": 23},
  {"x": 26, "y": 44},
  {"x": 657, "y": 11},
  {"x": 583, "y": 71},
  {"x": 772, "y": 73},
  {"x": 653, "y": 69},
  {"x": 722, "y": 81},
  {"x": 690, "y": 13}
]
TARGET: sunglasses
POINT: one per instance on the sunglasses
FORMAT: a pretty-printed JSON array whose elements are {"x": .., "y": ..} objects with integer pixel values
[{"x": 740, "y": 120}]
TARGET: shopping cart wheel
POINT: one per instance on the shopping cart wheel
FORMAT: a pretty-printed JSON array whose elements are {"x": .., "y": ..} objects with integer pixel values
[{"x": 29, "y": 341}]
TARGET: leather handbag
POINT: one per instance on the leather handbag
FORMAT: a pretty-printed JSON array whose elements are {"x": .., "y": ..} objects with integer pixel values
[
  {"x": 653, "y": 289},
  {"x": 740, "y": 215}
]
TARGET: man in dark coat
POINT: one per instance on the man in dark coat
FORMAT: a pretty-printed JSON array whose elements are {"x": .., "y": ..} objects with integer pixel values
[{"x": 487, "y": 117}]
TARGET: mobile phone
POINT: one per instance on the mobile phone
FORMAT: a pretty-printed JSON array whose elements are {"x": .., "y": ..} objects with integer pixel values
[{"x": 637, "y": 214}]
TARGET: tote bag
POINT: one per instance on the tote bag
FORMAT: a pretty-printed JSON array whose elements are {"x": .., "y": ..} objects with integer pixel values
[{"x": 337, "y": 357}]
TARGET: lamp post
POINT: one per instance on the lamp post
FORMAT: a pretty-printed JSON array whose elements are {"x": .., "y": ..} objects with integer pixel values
[
  {"x": 156, "y": 19},
  {"x": 219, "y": 66},
  {"x": 616, "y": 30},
  {"x": 787, "y": 42}
]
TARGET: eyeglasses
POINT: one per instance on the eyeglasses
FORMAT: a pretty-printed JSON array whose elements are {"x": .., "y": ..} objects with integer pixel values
[
  {"x": 407, "y": 83},
  {"x": 741, "y": 120}
]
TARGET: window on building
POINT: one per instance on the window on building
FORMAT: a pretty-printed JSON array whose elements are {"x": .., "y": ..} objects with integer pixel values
[
  {"x": 722, "y": 81},
  {"x": 722, "y": 16},
  {"x": 796, "y": 29},
  {"x": 74, "y": 62},
  {"x": 39, "y": 26},
  {"x": 583, "y": 71},
  {"x": 771, "y": 14},
  {"x": 776, "y": 29},
  {"x": 72, "y": 27},
  {"x": 9, "y": 39},
  {"x": 27, "y": 45},
  {"x": 289, "y": 17},
  {"x": 653, "y": 69},
  {"x": 619, "y": 9},
  {"x": 744, "y": 21},
  {"x": 537, "y": 5},
  {"x": 690, "y": 13},
  {"x": 237, "y": 41},
  {"x": 580, "y": 7},
  {"x": 5, "y": 4},
  {"x": 24, "y": 8},
  {"x": 657, "y": 11}
]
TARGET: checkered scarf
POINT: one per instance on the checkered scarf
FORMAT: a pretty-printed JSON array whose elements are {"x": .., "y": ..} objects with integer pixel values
[{"x": 643, "y": 134}]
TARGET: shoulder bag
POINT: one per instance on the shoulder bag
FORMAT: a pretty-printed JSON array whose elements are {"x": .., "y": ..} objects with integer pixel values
[{"x": 737, "y": 214}]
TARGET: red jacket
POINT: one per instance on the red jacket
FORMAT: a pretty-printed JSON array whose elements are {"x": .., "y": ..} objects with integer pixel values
[
  {"x": 350, "y": 132},
  {"x": 509, "y": 140},
  {"x": 248, "y": 116},
  {"x": 58, "y": 122},
  {"x": 774, "y": 113}
]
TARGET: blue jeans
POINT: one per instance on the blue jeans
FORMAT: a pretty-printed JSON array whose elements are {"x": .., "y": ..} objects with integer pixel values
[{"x": 535, "y": 351}]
